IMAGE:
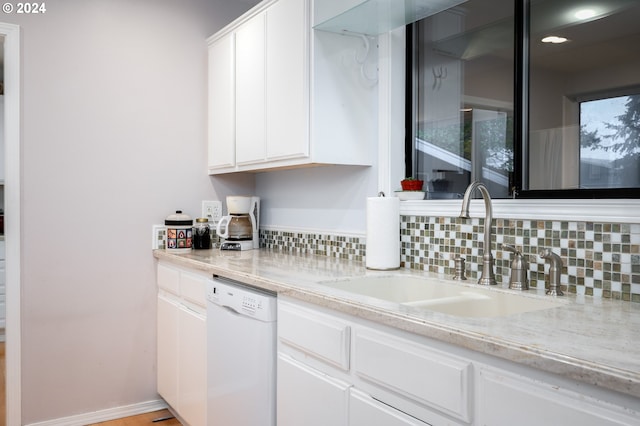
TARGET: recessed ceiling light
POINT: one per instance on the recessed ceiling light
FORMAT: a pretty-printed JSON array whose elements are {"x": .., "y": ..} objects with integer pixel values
[
  {"x": 585, "y": 13},
  {"x": 554, "y": 39}
]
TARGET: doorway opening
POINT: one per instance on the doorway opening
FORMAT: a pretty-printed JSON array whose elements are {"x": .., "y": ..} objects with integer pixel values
[{"x": 12, "y": 208}]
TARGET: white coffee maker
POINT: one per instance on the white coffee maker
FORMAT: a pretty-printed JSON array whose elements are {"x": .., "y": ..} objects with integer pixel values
[{"x": 240, "y": 230}]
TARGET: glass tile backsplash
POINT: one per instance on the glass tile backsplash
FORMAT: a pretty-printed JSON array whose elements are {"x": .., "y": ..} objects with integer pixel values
[
  {"x": 600, "y": 259},
  {"x": 339, "y": 246}
]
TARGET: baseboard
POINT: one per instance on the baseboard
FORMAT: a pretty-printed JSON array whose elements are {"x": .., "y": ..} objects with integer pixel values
[{"x": 106, "y": 415}]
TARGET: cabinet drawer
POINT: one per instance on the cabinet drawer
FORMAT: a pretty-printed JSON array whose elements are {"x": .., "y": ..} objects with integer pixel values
[
  {"x": 424, "y": 375},
  {"x": 169, "y": 279},
  {"x": 364, "y": 410},
  {"x": 193, "y": 288},
  {"x": 319, "y": 335}
]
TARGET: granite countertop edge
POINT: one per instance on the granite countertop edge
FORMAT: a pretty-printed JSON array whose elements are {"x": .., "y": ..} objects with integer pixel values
[{"x": 616, "y": 366}]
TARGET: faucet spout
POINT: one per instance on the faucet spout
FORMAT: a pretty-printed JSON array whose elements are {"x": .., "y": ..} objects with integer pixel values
[{"x": 487, "y": 276}]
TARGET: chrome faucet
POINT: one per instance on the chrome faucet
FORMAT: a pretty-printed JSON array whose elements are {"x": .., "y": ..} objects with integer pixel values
[
  {"x": 487, "y": 276},
  {"x": 555, "y": 288}
]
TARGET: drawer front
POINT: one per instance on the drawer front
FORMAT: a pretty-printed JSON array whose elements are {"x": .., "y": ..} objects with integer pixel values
[
  {"x": 366, "y": 411},
  {"x": 169, "y": 279},
  {"x": 193, "y": 288},
  {"x": 316, "y": 334},
  {"x": 424, "y": 375}
]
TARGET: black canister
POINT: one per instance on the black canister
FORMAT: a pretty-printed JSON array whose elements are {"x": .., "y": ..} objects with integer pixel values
[{"x": 202, "y": 234}]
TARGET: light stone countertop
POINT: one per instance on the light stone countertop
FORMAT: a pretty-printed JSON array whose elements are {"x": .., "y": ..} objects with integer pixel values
[{"x": 587, "y": 339}]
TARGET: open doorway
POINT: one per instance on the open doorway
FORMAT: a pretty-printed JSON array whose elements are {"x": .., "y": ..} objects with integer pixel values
[
  {"x": 11, "y": 204},
  {"x": 3, "y": 294}
]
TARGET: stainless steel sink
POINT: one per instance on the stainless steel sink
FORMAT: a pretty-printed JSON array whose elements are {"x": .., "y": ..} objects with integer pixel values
[{"x": 445, "y": 296}]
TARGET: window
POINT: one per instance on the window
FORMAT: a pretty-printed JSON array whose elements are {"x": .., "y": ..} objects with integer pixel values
[
  {"x": 609, "y": 144},
  {"x": 536, "y": 98}
]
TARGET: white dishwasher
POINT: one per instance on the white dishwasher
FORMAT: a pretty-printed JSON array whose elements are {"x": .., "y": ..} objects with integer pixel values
[{"x": 241, "y": 354}]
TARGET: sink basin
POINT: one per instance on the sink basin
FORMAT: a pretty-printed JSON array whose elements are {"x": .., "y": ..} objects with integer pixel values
[
  {"x": 450, "y": 298},
  {"x": 399, "y": 289}
]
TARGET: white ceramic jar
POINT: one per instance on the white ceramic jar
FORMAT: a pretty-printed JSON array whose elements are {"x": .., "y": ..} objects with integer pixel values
[{"x": 179, "y": 232}]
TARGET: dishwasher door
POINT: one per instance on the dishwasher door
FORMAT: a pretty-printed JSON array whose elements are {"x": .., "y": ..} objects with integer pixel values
[{"x": 241, "y": 355}]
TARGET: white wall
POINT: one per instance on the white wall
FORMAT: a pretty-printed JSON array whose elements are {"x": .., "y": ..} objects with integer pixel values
[
  {"x": 114, "y": 136},
  {"x": 328, "y": 198}
]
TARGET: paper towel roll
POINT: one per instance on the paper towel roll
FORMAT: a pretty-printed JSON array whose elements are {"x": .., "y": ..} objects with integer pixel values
[{"x": 383, "y": 233}]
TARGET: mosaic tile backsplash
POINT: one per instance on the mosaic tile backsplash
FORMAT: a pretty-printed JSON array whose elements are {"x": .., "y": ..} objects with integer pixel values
[
  {"x": 342, "y": 247},
  {"x": 600, "y": 259}
]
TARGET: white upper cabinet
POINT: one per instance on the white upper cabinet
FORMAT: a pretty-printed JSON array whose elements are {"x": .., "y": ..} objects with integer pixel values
[
  {"x": 287, "y": 64},
  {"x": 250, "y": 91},
  {"x": 282, "y": 95},
  {"x": 222, "y": 126}
]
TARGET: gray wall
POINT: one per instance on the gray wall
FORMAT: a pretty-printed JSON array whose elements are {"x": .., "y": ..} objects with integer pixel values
[{"x": 114, "y": 139}]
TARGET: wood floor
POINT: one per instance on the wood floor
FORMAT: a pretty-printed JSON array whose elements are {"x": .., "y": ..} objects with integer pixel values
[
  {"x": 142, "y": 419},
  {"x": 3, "y": 393}
]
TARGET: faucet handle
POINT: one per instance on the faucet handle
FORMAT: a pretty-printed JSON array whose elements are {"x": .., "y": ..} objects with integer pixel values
[
  {"x": 519, "y": 268},
  {"x": 511, "y": 248},
  {"x": 459, "y": 273}
]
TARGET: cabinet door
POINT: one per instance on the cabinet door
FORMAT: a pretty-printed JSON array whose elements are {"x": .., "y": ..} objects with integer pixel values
[
  {"x": 222, "y": 125},
  {"x": 287, "y": 88},
  {"x": 309, "y": 397},
  {"x": 192, "y": 367},
  {"x": 509, "y": 399},
  {"x": 168, "y": 344},
  {"x": 366, "y": 411},
  {"x": 250, "y": 91}
]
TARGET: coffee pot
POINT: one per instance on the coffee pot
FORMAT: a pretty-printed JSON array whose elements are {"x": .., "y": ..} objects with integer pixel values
[
  {"x": 240, "y": 229},
  {"x": 237, "y": 227}
]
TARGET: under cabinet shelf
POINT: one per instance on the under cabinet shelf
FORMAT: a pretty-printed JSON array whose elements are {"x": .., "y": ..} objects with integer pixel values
[{"x": 374, "y": 17}]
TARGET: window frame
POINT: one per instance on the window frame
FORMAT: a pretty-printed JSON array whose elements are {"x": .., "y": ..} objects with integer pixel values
[{"x": 521, "y": 119}]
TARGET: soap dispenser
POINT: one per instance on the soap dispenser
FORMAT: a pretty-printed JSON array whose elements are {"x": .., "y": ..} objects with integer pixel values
[{"x": 519, "y": 268}]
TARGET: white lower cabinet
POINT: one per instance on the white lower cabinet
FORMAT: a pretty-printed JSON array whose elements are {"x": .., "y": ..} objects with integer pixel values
[
  {"x": 309, "y": 397},
  {"x": 508, "y": 399},
  {"x": 3, "y": 296},
  {"x": 182, "y": 343},
  {"x": 168, "y": 311},
  {"x": 337, "y": 369},
  {"x": 364, "y": 410},
  {"x": 332, "y": 372},
  {"x": 192, "y": 367},
  {"x": 412, "y": 376}
]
